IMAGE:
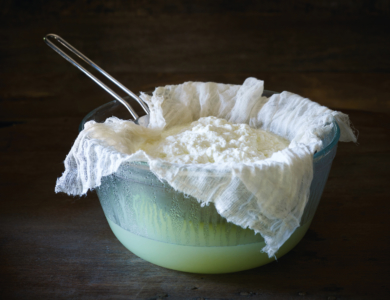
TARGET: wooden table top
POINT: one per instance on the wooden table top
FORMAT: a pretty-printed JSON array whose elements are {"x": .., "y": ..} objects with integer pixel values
[{"x": 53, "y": 246}]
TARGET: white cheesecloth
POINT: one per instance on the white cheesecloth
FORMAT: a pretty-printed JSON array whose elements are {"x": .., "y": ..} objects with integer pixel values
[{"x": 268, "y": 196}]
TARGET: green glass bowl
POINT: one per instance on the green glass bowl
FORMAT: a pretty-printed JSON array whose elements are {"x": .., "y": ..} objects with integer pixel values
[{"x": 172, "y": 230}]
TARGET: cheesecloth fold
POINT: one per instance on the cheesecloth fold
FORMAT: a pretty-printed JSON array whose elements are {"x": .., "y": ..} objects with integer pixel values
[{"x": 268, "y": 196}]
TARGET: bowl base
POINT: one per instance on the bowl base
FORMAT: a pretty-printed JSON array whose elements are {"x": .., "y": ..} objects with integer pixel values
[{"x": 204, "y": 260}]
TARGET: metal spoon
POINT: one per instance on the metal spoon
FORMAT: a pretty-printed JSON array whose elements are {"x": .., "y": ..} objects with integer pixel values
[{"x": 144, "y": 120}]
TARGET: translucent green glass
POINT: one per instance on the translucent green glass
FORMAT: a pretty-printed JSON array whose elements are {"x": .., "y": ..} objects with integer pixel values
[{"x": 172, "y": 230}]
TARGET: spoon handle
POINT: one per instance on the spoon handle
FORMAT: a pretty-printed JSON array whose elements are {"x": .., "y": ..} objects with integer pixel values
[{"x": 92, "y": 64}]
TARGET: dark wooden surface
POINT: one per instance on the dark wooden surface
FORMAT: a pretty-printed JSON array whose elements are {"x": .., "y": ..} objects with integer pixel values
[{"x": 337, "y": 53}]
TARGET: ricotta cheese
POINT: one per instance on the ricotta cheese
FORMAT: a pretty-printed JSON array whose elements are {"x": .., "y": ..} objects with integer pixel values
[{"x": 214, "y": 140}]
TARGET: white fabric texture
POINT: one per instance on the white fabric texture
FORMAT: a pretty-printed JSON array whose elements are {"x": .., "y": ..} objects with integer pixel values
[{"x": 268, "y": 196}]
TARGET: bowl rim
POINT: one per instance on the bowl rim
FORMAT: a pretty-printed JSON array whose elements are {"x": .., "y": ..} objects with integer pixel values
[{"x": 317, "y": 155}]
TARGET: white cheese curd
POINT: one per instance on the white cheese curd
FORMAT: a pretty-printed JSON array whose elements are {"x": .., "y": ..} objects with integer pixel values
[{"x": 214, "y": 140}]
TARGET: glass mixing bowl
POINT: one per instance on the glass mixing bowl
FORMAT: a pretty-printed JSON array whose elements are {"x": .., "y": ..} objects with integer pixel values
[{"x": 172, "y": 230}]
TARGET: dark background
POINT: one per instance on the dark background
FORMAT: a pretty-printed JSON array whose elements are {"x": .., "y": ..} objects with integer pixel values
[{"x": 334, "y": 52}]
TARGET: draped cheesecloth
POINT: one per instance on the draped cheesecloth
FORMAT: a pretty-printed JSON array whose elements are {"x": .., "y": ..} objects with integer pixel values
[{"x": 268, "y": 196}]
